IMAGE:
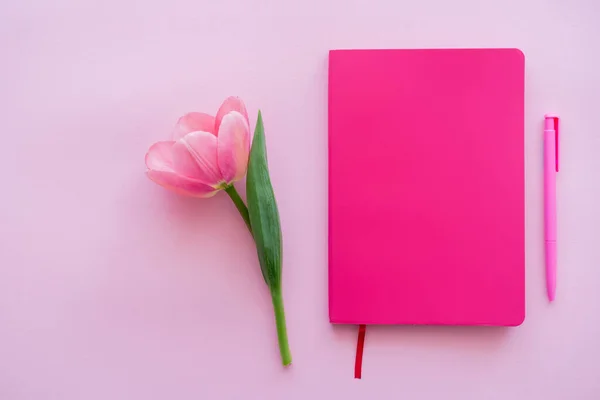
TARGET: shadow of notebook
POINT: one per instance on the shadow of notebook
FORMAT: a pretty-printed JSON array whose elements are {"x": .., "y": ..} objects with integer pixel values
[{"x": 426, "y": 187}]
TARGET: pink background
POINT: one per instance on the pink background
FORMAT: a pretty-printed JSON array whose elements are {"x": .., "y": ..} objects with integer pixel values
[{"x": 112, "y": 288}]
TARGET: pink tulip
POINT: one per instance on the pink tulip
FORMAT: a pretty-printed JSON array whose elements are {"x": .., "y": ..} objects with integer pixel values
[{"x": 207, "y": 153}]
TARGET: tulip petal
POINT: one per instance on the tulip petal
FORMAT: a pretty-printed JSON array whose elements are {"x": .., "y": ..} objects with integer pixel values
[
  {"x": 233, "y": 146},
  {"x": 160, "y": 156},
  {"x": 230, "y": 104},
  {"x": 193, "y": 122},
  {"x": 180, "y": 184},
  {"x": 195, "y": 157}
]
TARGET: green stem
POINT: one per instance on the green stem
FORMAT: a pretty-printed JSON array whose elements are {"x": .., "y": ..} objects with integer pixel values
[
  {"x": 284, "y": 347},
  {"x": 276, "y": 296},
  {"x": 239, "y": 204}
]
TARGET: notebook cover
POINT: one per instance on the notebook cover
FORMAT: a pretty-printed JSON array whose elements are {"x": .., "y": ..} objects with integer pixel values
[{"x": 426, "y": 187}]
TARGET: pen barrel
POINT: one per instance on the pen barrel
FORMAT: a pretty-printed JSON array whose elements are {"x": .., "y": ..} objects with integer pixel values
[{"x": 549, "y": 185}]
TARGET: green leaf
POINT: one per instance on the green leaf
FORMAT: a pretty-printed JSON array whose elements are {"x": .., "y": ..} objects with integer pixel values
[
  {"x": 266, "y": 229},
  {"x": 262, "y": 208}
]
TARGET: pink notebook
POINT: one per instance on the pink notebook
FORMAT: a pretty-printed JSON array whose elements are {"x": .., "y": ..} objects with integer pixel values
[{"x": 426, "y": 187}]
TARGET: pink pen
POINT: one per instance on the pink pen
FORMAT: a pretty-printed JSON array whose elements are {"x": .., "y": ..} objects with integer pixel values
[{"x": 550, "y": 170}]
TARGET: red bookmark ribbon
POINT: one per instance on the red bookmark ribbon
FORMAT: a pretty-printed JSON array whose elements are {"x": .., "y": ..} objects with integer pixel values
[{"x": 360, "y": 344}]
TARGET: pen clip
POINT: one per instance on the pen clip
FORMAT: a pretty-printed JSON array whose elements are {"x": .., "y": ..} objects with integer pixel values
[
  {"x": 551, "y": 124},
  {"x": 555, "y": 119}
]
